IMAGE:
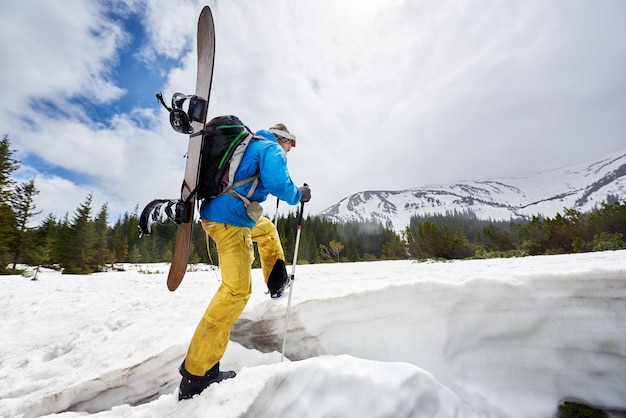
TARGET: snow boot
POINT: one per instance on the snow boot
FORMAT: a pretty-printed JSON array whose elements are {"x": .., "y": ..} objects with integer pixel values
[
  {"x": 278, "y": 280},
  {"x": 192, "y": 385}
]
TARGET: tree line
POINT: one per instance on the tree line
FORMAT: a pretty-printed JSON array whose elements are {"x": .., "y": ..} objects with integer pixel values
[
  {"x": 462, "y": 235},
  {"x": 87, "y": 241}
]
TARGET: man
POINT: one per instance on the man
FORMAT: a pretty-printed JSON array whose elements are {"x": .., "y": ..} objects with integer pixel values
[{"x": 227, "y": 221}]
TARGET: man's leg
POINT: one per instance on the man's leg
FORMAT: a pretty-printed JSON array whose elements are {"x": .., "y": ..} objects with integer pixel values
[
  {"x": 264, "y": 233},
  {"x": 234, "y": 247}
]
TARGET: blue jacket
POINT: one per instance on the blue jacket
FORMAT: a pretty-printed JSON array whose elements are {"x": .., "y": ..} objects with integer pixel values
[{"x": 264, "y": 157}]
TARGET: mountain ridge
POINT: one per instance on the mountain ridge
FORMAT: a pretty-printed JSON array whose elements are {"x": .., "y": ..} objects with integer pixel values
[{"x": 581, "y": 187}]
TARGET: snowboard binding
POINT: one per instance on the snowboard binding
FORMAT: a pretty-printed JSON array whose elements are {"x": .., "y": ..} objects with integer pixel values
[
  {"x": 181, "y": 119},
  {"x": 162, "y": 210}
]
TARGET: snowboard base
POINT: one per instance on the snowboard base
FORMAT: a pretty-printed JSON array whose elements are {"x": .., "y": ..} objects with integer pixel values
[{"x": 204, "y": 78}]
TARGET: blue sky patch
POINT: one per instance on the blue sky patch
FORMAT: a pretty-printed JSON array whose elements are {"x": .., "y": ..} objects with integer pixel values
[
  {"x": 47, "y": 168},
  {"x": 140, "y": 79}
]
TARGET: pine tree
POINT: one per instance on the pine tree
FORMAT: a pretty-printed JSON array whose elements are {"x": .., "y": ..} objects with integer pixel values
[
  {"x": 23, "y": 203},
  {"x": 81, "y": 257},
  {"x": 101, "y": 238},
  {"x": 500, "y": 239},
  {"x": 7, "y": 216},
  {"x": 533, "y": 237},
  {"x": 46, "y": 250},
  {"x": 7, "y": 234},
  {"x": 7, "y": 166},
  {"x": 609, "y": 218},
  {"x": 394, "y": 248}
]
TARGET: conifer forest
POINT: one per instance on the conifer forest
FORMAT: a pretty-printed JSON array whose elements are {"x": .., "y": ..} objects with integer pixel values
[{"x": 88, "y": 241}]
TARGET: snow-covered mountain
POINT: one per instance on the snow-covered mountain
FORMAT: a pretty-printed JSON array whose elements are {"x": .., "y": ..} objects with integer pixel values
[{"x": 582, "y": 187}]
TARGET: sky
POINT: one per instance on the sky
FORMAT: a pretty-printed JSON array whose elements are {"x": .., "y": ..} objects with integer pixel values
[
  {"x": 505, "y": 338},
  {"x": 381, "y": 95}
]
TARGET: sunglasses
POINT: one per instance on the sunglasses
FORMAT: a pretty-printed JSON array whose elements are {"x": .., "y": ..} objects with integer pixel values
[{"x": 283, "y": 136}]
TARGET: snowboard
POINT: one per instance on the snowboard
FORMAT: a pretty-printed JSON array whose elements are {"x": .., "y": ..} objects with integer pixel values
[{"x": 204, "y": 77}]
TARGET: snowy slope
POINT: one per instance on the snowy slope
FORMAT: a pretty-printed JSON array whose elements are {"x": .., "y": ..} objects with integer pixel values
[
  {"x": 582, "y": 187},
  {"x": 496, "y": 338}
]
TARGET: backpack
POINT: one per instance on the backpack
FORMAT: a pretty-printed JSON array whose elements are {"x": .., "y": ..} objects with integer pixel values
[{"x": 224, "y": 141}]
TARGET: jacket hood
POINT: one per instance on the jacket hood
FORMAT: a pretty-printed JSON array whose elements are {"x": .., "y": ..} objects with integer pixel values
[{"x": 267, "y": 135}]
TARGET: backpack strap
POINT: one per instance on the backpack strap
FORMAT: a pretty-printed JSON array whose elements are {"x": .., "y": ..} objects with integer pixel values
[
  {"x": 255, "y": 179},
  {"x": 246, "y": 199}
]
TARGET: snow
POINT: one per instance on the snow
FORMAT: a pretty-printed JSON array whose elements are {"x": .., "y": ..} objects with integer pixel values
[
  {"x": 494, "y": 338},
  {"x": 582, "y": 187}
]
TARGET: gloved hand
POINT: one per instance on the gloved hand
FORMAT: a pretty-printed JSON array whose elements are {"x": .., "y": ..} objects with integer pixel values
[{"x": 306, "y": 193}]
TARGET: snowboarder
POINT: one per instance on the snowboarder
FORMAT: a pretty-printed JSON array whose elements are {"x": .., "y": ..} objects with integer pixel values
[{"x": 227, "y": 222}]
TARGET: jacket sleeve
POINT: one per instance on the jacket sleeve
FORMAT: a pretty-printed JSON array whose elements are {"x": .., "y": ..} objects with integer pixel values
[{"x": 275, "y": 176}]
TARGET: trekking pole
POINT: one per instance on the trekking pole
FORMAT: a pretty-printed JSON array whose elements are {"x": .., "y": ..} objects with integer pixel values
[
  {"x": 276, "y": 214},
  {"x": 292, "y": 277}
]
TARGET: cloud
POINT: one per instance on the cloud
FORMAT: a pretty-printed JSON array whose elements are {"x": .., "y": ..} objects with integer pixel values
[
  {"x": 56, "y": 54},
  {"x": 380, "y": 96}
]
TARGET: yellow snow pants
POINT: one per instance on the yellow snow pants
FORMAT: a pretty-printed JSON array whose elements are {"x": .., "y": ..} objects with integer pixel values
[{"x": 236, "y": 254}]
